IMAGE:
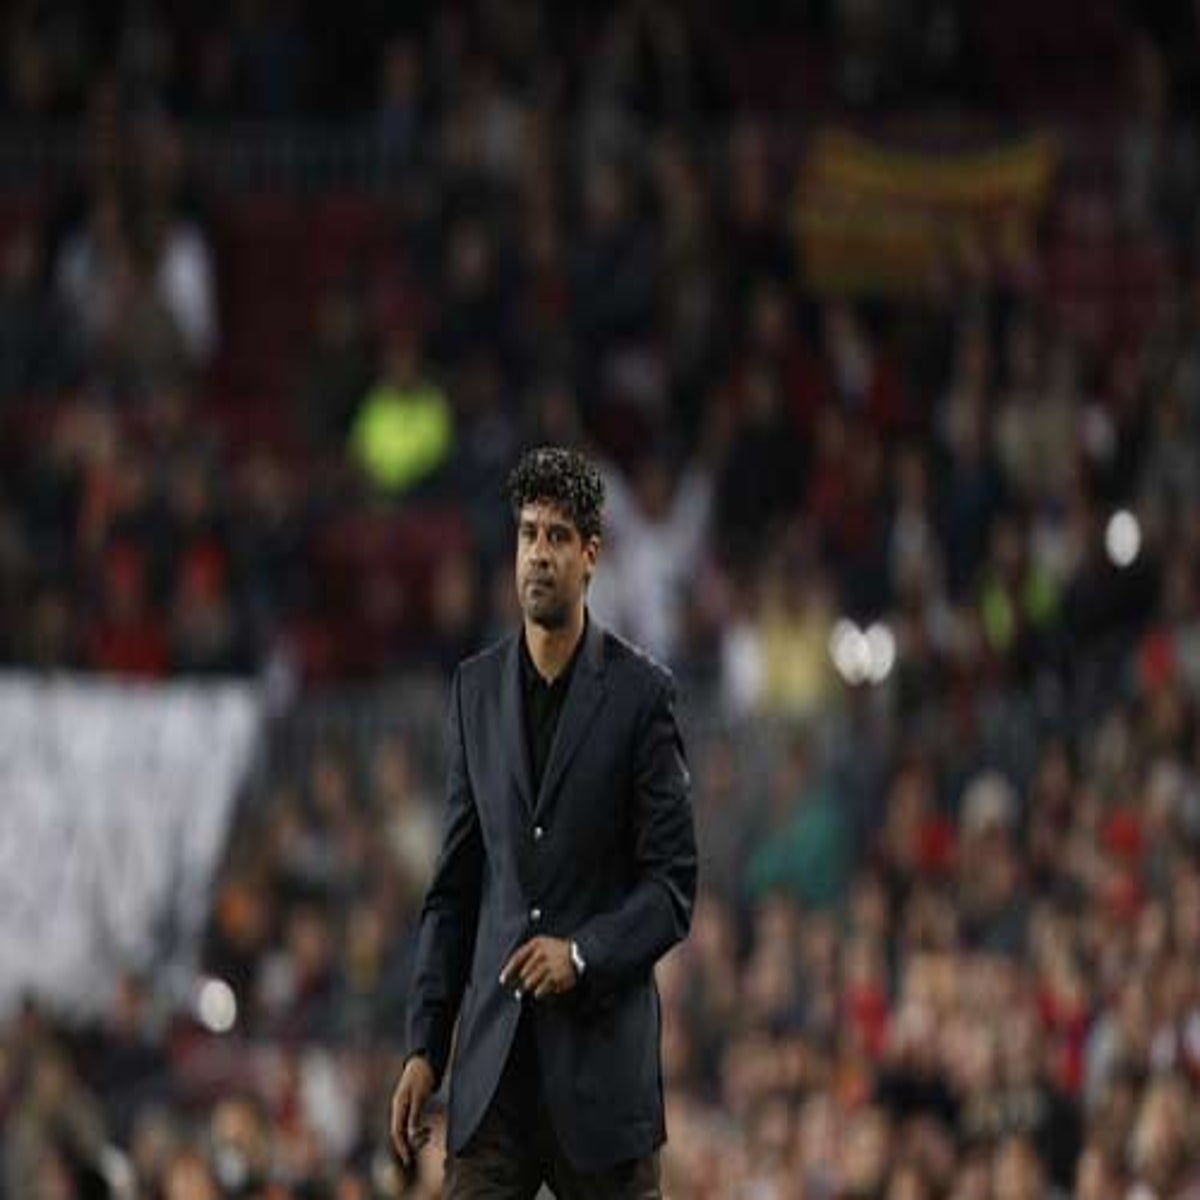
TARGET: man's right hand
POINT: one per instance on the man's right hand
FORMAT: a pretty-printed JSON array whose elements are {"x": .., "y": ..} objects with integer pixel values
[{"x": 409, "y": 1130}]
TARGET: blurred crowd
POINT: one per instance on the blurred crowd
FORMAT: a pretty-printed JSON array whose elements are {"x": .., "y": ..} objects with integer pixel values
[{"x": 926, "y": 567}]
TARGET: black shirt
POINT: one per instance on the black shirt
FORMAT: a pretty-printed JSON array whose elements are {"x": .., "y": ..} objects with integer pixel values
[{"x": 543, "y": 706}]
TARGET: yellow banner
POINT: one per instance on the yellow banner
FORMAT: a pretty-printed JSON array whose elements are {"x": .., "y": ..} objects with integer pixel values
[{"x": 876, "y": 220}]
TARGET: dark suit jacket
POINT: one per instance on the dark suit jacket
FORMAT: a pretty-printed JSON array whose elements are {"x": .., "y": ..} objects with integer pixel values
[{"x": 604, "y": 853}]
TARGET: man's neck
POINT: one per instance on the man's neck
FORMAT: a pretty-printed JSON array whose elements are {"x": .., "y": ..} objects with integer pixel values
[{"x": 551, "y": 649}]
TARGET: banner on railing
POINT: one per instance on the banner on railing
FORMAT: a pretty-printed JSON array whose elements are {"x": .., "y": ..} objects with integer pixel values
[
  {"x": 115, "y": 802},
  {"x": 871, "y": 219}
]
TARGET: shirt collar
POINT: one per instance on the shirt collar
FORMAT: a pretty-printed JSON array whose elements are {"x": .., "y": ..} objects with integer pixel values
[{"x": 532, "y": 677}]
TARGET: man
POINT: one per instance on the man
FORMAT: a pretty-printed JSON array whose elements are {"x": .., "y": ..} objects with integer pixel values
[{"x": 568, "y": 868}]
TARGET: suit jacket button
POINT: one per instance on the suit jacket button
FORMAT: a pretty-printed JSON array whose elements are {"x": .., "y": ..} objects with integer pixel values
[
  {"x": 538, "y": 833},
  {"x": 535, "y": 914}
]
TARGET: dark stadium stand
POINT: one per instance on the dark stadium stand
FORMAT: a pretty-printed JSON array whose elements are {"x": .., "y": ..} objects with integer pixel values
[{"x": 884, "y": 321}]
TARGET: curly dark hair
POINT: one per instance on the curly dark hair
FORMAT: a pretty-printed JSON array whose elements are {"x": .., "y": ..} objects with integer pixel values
[{"x": 565, "y": 478}]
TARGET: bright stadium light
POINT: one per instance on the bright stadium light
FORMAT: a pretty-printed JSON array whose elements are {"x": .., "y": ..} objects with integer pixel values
[
  {"x": 862, "y": 657},
  {"x": 881, "y": 652},
  {"x": 1123, "y": 538},
  {"x": 216, "y": 1006},
  {"x": 850, "y": 651}
]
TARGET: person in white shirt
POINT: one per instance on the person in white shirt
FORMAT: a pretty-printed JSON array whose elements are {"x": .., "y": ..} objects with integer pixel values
[{"x": 656, "y": 534}]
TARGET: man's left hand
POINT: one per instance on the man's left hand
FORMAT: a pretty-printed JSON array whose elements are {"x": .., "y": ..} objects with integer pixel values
[{"x": 541, "y": 967}]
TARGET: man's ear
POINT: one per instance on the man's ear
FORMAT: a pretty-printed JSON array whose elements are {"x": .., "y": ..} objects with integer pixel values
[{"x": 591, "y": 553}]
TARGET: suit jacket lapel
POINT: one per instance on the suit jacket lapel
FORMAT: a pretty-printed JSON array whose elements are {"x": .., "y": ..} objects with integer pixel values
[
  {"x": 512, "y": 713},
  {"x": 584, "y": 695}
]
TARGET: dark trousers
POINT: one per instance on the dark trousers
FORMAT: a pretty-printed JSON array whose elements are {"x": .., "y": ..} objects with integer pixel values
[{"x": 514, "y": 1150}]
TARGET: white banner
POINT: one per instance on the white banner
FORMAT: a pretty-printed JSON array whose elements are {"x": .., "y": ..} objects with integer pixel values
[{"x": 115, "y": 802}]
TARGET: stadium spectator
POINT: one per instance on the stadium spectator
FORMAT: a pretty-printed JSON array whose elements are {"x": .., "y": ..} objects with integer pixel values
[
  {"x": 403, "y": 431},
  {"x": 988, "y": 988}
]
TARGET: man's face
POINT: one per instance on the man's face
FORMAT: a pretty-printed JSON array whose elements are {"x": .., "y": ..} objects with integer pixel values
[{"x": 554, "y": 564}]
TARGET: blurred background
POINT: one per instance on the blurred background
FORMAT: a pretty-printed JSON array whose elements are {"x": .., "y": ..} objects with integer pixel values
[{"x": 883, "y": 317}]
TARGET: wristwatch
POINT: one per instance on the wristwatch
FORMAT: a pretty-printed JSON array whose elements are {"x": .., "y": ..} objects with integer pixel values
[{"x": 577, "y": 959}]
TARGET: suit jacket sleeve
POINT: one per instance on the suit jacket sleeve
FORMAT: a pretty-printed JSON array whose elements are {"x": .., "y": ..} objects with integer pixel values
[
  {"x": 657, "y": 911},
  {"x": 449, "y": 916}
]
